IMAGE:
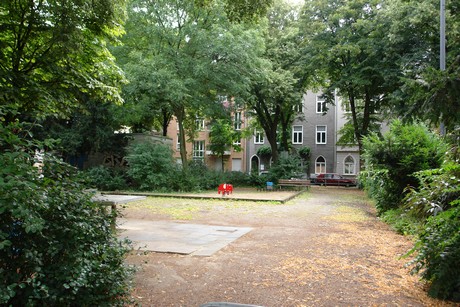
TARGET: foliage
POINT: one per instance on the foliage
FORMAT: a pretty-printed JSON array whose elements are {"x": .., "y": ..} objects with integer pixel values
[
  {"x": 438, "y": 250},
  {"x": 357, "y": 66},
  {"x": 54, "y": 52},
  {"x": 304, "y": 153},
  {"x": 392, "y": 160},
  {"x": 151, "y": 166},
  {"x": 264, "y": 151},
  {"x": 106, "y": 178},
  {"x": 178, "y": 61},
  {"x": 285, "y": 168},
  {"x": 222, "y": 138},
  {"x": 56, "y": 245},
  {"x": 436, "y": 203},
  {"x": 426, "y": 92},
  {"x": 402, "y": 221},
  {"x": 275, "y": 86}
]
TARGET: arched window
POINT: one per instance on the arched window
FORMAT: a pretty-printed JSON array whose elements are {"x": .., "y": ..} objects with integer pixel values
[
  {"x": 320, "y": 165},
  {"x": 349, "y": 166},
  {"x": 255, "y": 163}
]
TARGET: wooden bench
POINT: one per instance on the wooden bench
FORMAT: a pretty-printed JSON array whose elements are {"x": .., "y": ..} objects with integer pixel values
[{"x": 299, "y": 183}]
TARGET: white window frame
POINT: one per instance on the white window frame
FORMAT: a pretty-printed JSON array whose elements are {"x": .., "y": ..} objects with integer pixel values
[
  {"x": 349, "y": 168},
  {"x": 198, "y": 150},
  {"x": 259, "y": 137},
  {"x": 237, "y": 142},
  {"x": 321, "y": 135},
  {"x": 297, "y": 135},
  {"x": 298, "y": 108},
  {"x": 320, "y": 167},
  {"x": 199, "y": 124},
  {"x": 320, "y": 104},
  {"x": 178, "y": 142},
  {"x": 237, "y": 120}
]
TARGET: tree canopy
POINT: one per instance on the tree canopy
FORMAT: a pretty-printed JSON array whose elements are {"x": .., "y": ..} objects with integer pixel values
[
  {"x": 54, "y": 52},
  {"x": 188, "y": 56}
]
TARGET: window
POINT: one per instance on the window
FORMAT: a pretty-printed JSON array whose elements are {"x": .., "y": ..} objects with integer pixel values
[
  {"x": 321, "y": 135},
  {"x": 198, "y": 150},
  {"x": 349, "y": 166},
  {"x": 178, "y": 142},
  {"x": 237, "y": 121},
  {"x": 298, "y": 107},
  {"x": 320, "y": 104},
  {"x": 320, "y": 165},
  {"x": 199, "y": 124},
  {"x": 297, "y": 134},
  {"x": 237, "y": 142},
  {"x": 258, "y": 137}
]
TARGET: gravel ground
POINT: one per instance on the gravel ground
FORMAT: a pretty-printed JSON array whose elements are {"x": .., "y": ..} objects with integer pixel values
[{"x": 324, "y": 248}]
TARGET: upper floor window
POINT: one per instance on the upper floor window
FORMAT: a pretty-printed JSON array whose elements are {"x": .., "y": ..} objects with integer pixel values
[
  {"x": 297, "y": 134},
  {"x": 349, "y": 166},
  {"x": 198, "y": 150},
  {"x": 258, "y": 137},
  {"x": 320, "y": 104},
  {"x": 178, "y": 142},
  {"x": 199, "y": 124},
  {"x": 321, "y": 134},
  {"x": 298, "y": 107},
  {"x": 237, "y": 121}
]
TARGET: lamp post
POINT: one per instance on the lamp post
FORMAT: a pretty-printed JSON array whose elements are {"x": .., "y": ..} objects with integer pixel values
[{"x": 442, "y": 50}]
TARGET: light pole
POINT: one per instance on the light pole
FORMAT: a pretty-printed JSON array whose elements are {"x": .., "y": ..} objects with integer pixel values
[{"x": 442, "y": 50}]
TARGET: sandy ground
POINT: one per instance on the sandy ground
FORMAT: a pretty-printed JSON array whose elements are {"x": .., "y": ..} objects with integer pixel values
[{"x": 326, "y": 247}]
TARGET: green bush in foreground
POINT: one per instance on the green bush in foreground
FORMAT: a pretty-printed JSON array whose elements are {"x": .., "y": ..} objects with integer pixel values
[
  {"x": 438, "y": 246},
  {"x": 56, "y": 246}
]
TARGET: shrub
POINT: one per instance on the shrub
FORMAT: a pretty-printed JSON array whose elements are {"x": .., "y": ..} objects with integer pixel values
[
  {"x": 391, "y": 162},
  {"x": 438, "y": 254},
  {"x": 285, "y": 168},
  {"x": 56, "y": 246},
  {"x": 106, "y": 178},
  {"x": 438, "y": 246},
  {"x": 152, "y": 167}
]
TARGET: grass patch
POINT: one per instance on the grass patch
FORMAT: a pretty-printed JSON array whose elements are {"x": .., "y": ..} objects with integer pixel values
[
  {"x": 187, "y": 209},
  {"x": 348, "y": 214}
]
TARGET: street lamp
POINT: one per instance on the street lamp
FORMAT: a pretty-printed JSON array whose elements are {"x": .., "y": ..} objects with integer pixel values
[{"x": 442, "y": 49}]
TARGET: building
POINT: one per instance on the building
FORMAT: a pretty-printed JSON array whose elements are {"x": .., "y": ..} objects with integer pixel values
[
  {"x": 198, "y": 149},
  {"x": 316, "y": 128}
]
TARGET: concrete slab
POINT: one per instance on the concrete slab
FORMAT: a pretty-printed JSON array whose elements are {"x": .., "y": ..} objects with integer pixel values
[
  {"x": 116, "y": 199},
  {"x": 180, "y": 238}
]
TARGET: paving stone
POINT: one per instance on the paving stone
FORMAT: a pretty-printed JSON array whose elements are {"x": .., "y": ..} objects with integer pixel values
[{"x": 181, "y": 238}]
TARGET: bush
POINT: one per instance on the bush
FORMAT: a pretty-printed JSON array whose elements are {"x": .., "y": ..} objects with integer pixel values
[
  {"x": 56, "y": 246},
  {"x": 438, "y": 254},
  {"x": 106, "y": 178},
  {"x": 152, "y": 167},
  {"x": 286, "y": 168},
  {"x": 438, "y": 246},
  {"x": 391, "y": 162}
]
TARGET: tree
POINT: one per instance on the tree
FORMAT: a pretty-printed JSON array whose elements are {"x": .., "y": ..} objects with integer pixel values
[
  {"x": 184, "y": 51},
  {"x": 222, "y": 138},
  {"x": 54, "y": 52},
  {"x": 346, "y": 50},
  {"x": 275, "y": 86},
  {"x": 426, "y": 92}
]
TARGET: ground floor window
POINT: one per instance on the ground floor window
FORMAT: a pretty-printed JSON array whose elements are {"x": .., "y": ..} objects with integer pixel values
[
  {"x": 320, "y": 165},
  {"x": 198, "y": 150},
  {"x": 349, "y": 166}
]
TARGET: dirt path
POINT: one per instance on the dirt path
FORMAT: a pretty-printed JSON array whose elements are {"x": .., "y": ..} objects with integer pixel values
[{"x": 324, "y": 248}]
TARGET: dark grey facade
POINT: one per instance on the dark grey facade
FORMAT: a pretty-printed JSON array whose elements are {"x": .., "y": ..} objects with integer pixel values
[{"x": 316, "y": 128}]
